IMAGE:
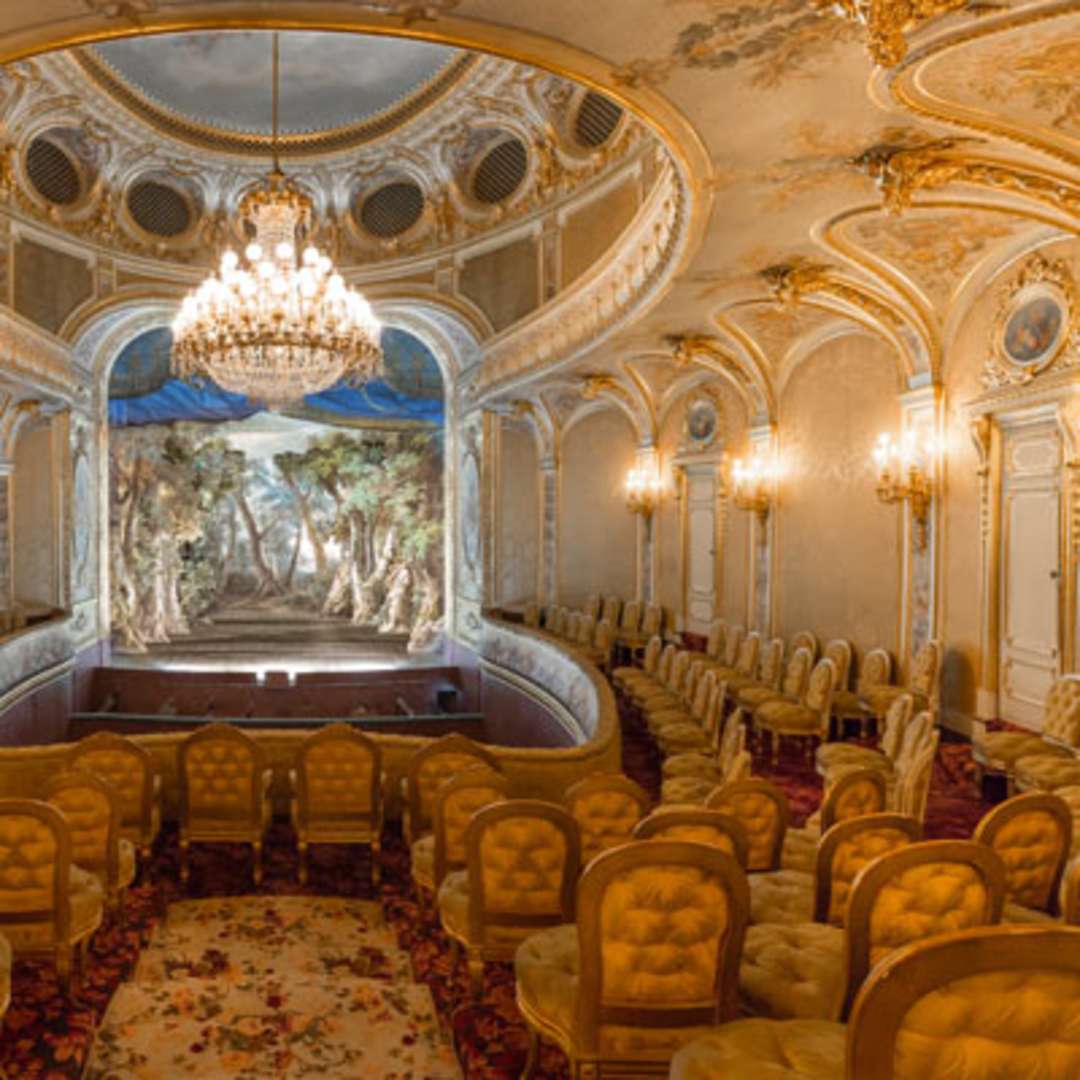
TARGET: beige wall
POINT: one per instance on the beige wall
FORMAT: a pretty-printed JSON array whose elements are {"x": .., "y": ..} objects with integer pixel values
[
  {"x": 34, "y": 517},
  {"x": 734, "y": 553},
  {"x": 597, "y": 534},
  {"x": 504, "y": 283},
  {"x": 838, "y": 564},
  {"x": 519, "y": 516},
  {"x": 48, "y": 284},
  {"x": 592, "y": 231}
]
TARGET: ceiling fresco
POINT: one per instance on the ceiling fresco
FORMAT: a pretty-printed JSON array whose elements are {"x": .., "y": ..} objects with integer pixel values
[{"x": 224, "y": 79}]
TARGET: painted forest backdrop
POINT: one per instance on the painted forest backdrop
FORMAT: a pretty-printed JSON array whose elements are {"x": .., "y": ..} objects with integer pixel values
[{"x": 282, "y": 514}]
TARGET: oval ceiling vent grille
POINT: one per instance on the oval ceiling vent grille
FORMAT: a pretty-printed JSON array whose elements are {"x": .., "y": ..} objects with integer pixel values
[
  {"x": 392, "y": 210},
  {"x": 52, "y": 172},
  {"x": 596, "y": 120},
  {"x": 159, "y": 209},
  {"x": 500, "y": 172}
]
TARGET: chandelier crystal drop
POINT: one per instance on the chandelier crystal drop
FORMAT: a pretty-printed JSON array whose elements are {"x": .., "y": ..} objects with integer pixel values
[{"x": 271, "y": 326}]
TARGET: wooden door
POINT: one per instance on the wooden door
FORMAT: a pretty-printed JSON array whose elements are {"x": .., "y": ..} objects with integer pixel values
[
  {"x": 1030, "y": 643},
  {"x": 701, "y": 577}
]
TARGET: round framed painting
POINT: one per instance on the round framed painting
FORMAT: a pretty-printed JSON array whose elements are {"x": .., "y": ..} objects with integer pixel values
[
  {"x": 701, "y": 422},
  {"x": 1034, "y": 328}
]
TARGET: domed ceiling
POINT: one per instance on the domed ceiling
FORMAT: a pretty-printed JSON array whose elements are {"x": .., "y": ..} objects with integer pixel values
[{"x": 188, "y": 83}]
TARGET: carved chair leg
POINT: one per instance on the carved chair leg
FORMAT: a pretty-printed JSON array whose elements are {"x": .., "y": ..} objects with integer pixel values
[
  {"x": 302, "y": 851},
  {"x": 775, "y": 753},
  {"x": 376, "y": 863},
  {"x": 533, "y": 1057},
  {"x": 257, "y": 868},
  {"x": 63, "y": 969},
  {"x": 476, "y": 976},
  {"x": 185, "y": 861}
]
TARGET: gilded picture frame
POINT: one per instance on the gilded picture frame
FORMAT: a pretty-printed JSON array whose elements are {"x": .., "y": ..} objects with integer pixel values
[{"x": 702, "y": 421}]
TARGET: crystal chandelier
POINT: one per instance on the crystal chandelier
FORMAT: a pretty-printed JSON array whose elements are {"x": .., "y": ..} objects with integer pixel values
[{"x": 269, "y": 326}]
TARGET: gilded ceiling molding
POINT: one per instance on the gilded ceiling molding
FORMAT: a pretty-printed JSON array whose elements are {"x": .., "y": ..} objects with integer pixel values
[
  {"x": 536, "y": 415},
  {"x": 888, "y": 21},
  {"x": 904, "y": 86},
  {"x": 710, "y": 352},
  {"x": 599, "y": 387},
  {"x": 798, "y": 280},
  {"x": 901, "y": 172},
  {"x": 15, "y": 413},
  {"x": 37, "y": 360}
]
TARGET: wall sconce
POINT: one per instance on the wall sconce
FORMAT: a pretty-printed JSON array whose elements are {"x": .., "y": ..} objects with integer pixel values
[
  {"x": 903, "y": 474},
  {"x": 643, "y": 490},
  {"x": 752, "y": 484}
]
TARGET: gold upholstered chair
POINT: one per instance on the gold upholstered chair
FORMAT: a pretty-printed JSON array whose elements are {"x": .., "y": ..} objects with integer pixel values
[
  {"x": 807, "y": 719},
  {"x": 659, "y": 678},
  {"x": 680, "y": 725},
  {"x": 522, "y": 863},
  {"x": 651, "y": 963},
  {"x": 762, "y": 810},
  {"x": 1059, "y": 736},
  {"x": 92, "y": 811},
  {"x": 696, "y": 825},
  {"x": 610, "y": 610},
  {"x": 224, "y": 793},
  {"x": 531, "y": 615},
  {"x": 600, "y": 647},
  {"x": 831, "y": 759},
  {"x": 806, "y": 639},
  {"x": 693, "y": 777},
  {"x": 593, "y": 603},
  {"x": 49, "y": 907},
  {"x": 874, "y": 671},
  {"x": 746, "y": 661},
  {"x": 767, "y": 677},
  {"x": 629, "y": 674},
  {"x": 859, "y": 792},
  {"x": 911, "y": 792},
  {"x": 912, "y": 892},
  {"x": 923, "y": 685},
  {"x": 427, "y": 769},
  {"x": 129, "y": 770},
  {"x": 677, "y": 688},
  {"x": 792, "y": 683},
  {"x": 1033, "y": 835},
  {"x": 821, "y": 894},
  {"x": 943, "y": 1006},
  {"x": 635, "y": 639},
  {"x": 716, "y": 640},
  {"x": 838, "y": 650},
  {"x": 337, "y": 793},
  {"x": 435, "y": 854},
  {"x": 606, "y": 807}
]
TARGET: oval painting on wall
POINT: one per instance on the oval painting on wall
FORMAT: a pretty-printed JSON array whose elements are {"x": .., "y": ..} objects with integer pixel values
[{"x": 1033, "y": 331}]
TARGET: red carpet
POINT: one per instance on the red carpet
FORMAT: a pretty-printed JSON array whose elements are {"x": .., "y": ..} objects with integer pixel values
[{"x": 48, "y": 1038}]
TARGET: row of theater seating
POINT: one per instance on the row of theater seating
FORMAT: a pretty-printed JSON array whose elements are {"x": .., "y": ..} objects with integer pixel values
[{"x": 787, "y": 923}]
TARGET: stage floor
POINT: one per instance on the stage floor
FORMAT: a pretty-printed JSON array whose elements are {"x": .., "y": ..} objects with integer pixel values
[{"x": 264, "y": 638}]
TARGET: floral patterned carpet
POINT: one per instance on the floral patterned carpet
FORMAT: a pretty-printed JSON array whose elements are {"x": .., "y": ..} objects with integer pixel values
[{"x": 46, "y": 1037}]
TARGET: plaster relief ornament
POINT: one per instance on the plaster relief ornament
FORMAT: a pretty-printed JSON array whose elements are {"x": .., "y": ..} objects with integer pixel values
[
  {"x": 701, "y": 422},
  {"x": 1037, "y": 326}
]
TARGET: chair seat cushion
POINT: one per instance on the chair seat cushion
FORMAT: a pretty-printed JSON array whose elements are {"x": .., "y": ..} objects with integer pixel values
[
  {"x": 788, "y": 716},
  {"x": 800, "y": 850},
  {"x": 735, "y": 683},
  {"x": 1047, "y": 772},
  {"x": 701, "y": 766},
  {"x": 1003, "y": 749},
  {"x": 752, "y": 697},
  {"x": 87, "y": 902},
  {"x": 453, "y": 902},
  {"x": 663, "y": 718},
  {"x": 847, "y": 703},
  {"x": 690, "y": 790},
  {"x": 795, "y": 971},
  {"x": 547, "y": 968},
  {"x": 858, "y": 757},
  {"x": 681, "y": 738},
  {"x": 765, "y": 1050},
  {"x": 782, "y": 896},
  {"x": 422, "y": 858},
  {"x": 879, "y": 698},
  {"x": 659, "y": 701}
]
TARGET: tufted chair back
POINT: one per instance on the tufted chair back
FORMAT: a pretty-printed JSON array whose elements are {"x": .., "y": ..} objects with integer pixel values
[
  {"x": 35, "y": 865},
  {"x": 862, "y": 791},
  {"x": 604, "y": 636},
  {"x": 925, "y": 671},
  {"x": 458, "y": 799},
  {"x": 523, "y": 858},
  {"x": 995, "y": 1001},
  {"x": 797, "y": 673},
  {"x": 338, "y": 772},
  {"x": 1061, "y": 714},
  {"x": 762, "y": 810},
  {"x": 913, "y": 737},
  {"x": 714, "y": 709},
  {"x": 606, "y": 807},
  {"x": 429, "y": 768},
  {"x": 913, "y": 782},
  {"x": 772, "y": 663},
  {"x": 651, "y": 620},
  {"x": 717, "y": 639},
  {"x": 897, "y": 721},
  {"x": 1033, "y": 835},
  {"x": 92, "y": 811},
  {"x": 611, "y": 610},
  {"x": 704, "y": 695},
  {"x": 846, "y": 848},
  {"x": 917, "y": 892},
  {"x": 693, "y": 678},
  {"x": 732, "y": 743},
  {"x": 652, "y": 655},
  {"x": 732, "y": 643},
  {"x": 584, "y": 629},
  {"x": 839, "y": 652},
  {"x": 221, "y": 775},
  {"x": 126, "y": 767},
  {"x": 747, "y": 660},
  {"x": 695, "y": 825},
  {"x": 592, "y": 605},
  {"x": 531, "y": 615},
  {"x": 680, "y": 670},
  {"x": 805, "y": 639},
  {"x": 631, "y": 616},
  {"x": 661, "y": 928},
  {"x": 664, "y": 664},
  {"x": 875, "y": 670}
]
